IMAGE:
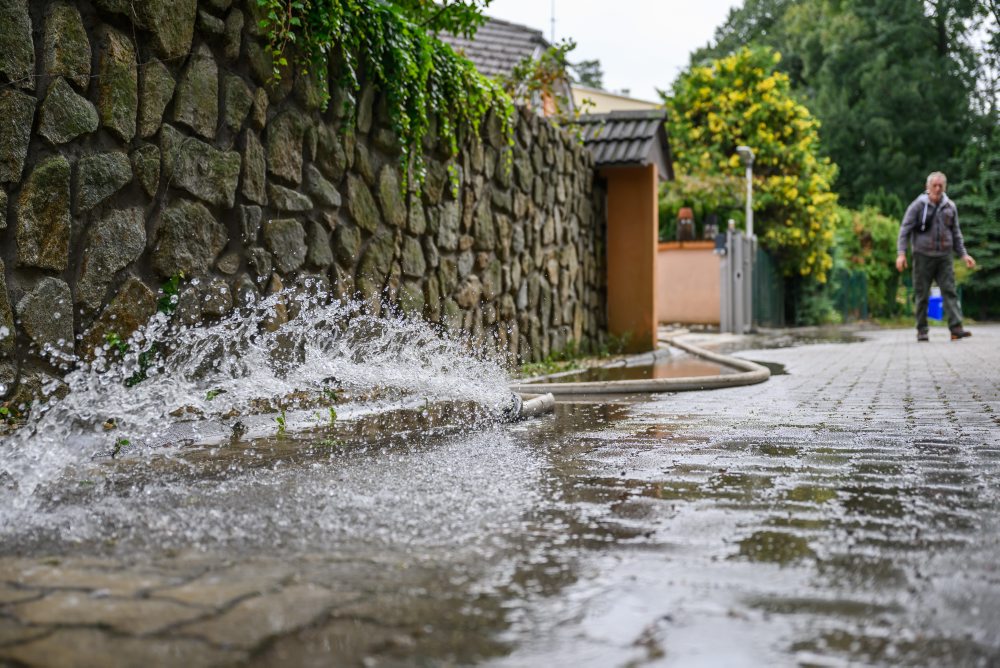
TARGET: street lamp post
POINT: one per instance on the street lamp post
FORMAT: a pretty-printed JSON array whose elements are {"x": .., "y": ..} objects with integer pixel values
[{"x": 746, "y": 155}]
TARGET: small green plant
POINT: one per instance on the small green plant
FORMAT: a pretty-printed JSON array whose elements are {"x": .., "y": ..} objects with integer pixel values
[
  {"x": 280, "y": 420},
  {"x": 114, "y": 341},
  {"x": 212, "y": 394},
  {"x": 333, "y": 415},
  {"x": 120, "y": 444},
  {"x": 167, "y": 303}
]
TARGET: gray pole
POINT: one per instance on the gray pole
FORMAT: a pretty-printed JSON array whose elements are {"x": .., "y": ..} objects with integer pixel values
[{"x": 750, "y": 200}]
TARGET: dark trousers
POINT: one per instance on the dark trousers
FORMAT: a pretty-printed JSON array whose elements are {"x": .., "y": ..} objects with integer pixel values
[{"x": 927, "y": 269}]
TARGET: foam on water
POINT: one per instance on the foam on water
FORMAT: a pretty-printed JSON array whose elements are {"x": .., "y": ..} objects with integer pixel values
[{"x": 215, "y": 372}]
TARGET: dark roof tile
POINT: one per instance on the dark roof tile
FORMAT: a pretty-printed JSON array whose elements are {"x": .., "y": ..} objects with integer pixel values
[
  {"x": 628, "y": 138},
  {"x": 498, "y": 46}
]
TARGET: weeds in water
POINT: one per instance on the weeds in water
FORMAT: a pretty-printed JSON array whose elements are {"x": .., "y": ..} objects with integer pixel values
[
  {"x": 167, "y": 303},
  {"x": 120, "y": 444},
  {"x": 280, "y": 419},
  {"x": 212, "y": 394},
  {"x": 333, "y": 415}
]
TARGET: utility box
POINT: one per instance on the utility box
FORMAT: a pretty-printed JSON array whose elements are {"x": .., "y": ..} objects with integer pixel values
[{"x": 736, "y": 282}]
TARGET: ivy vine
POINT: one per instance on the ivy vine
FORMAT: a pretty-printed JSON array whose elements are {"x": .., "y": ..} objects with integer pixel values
[{"x": 421, "y": 76}]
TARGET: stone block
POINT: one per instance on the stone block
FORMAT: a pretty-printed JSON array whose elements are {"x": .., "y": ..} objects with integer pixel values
[
  {"x": 347, "y": 244},
  {"x": 7, "y": 330},
  {"x": 250, "y": 219},
  {"x": 254, "y": 169},
  {"x": 237, "y": 100},
  {"x": 318, "y": 240},
  {"x": 321, "y": 190},
  {"x": 206, "y": 172},
  {"x": 286, "y": 239},
  {"x": 43, "y": 216},
  {"x": 113, "y": 242},
  {"x": 65, "y": 46},
  {"x": 217, "y": 300},
  {"x": 361, "y": 204},
  {"x": 65, "y": 115},
  {"x": 286, "y": 199},
  {"x": 196, "y": 102},
  {"x": 188, "y": 239},
  {"x": 46, "y": 315},
  {"x": 210, "y": 24},
  {"x": 156, "y": 89},
  {"x": 99, "y": 177},
  {"x": 171, "y": 24},
  {"x": 17, "y": 50},
  {"x": 413, "y": 262},
  {"x": 376, "y": 261},
  {"x": 233, "y": 35},
  {"x": 146, "y": 165},
  {"x": 18, "y": 112},
  {"x": 285, "y": 134},
  {"x": 391, "y": 197},
  {"x": 117, "y": 83}
]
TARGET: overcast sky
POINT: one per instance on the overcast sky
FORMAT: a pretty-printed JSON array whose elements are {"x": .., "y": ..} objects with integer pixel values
[{"x": 642, "y": 44}]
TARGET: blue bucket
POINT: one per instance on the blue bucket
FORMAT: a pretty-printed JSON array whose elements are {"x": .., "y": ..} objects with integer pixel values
[{"x": 935, "y": 307}]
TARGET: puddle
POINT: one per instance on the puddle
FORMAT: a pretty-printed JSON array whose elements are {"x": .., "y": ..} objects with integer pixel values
[{"x": 681, "y": 366}]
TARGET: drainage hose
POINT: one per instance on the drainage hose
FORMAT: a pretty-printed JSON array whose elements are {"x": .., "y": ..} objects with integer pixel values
[
  {"x": 751, "y": 373},
  {"x": 528, "y": 406}
]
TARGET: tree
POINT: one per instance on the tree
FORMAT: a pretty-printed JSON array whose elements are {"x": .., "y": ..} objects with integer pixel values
[
  {"x": 458, "y": 17},
  {"x": 742, "y": 100},
  {"x": 589, "y": 73},
  {"x": 890, "y": 80}
]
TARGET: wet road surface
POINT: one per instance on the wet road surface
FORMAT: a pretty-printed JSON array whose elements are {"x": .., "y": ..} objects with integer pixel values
[{"x": 844, "y": 513}]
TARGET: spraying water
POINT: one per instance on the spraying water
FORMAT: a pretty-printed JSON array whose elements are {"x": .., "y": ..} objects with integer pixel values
[{"x": 171, "y": 385}]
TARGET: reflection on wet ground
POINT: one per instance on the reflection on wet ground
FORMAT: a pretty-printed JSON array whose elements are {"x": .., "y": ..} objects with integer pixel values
[
  {"x": 843, "y": 514},
  {"x": 676, "y": 366}
]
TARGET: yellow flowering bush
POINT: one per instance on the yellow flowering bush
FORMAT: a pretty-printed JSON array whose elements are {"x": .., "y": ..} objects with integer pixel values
[{"x": 742, "y": 100}]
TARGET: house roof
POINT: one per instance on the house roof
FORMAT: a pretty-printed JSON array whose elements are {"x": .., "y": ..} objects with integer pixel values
[
  {"x": 628, "y": 139},
  {"x": 498, "y": 46}
]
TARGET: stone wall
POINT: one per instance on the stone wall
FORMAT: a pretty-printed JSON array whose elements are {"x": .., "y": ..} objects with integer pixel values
[{"x": 142, "y": 140}]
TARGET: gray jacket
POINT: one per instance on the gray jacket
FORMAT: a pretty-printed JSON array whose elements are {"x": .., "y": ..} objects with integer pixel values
[{"x": 941, "y": 234}]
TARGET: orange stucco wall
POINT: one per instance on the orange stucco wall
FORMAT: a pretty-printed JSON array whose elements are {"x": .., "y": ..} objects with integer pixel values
[
  {"x": 632, "y": 241},
  {"x": 687, "y": 274}
]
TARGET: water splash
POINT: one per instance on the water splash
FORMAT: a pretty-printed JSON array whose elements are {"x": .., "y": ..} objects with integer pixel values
[{"x": 194, "y": 379}]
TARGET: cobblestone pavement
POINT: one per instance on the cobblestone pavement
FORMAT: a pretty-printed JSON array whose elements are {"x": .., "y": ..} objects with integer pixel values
[{"x": 843, "y": 513}]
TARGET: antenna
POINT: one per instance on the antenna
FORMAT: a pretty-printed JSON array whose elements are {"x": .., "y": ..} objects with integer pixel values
[{"x": 552, "y": 32}]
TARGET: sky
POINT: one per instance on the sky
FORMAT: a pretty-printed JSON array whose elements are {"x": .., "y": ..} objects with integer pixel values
[{"x": 642, "y": 44}]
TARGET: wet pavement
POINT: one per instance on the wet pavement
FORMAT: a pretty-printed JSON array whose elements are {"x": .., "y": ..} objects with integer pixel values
[{"x": 842, "y": 513}]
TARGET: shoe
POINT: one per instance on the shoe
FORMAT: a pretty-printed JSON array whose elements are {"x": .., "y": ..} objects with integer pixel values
[
  {"x": 957, "y": 334},
  {"x": 922, "y": 336}
]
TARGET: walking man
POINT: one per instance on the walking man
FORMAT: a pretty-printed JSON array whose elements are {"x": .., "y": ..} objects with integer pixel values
[{"x": 930, "y": 225}]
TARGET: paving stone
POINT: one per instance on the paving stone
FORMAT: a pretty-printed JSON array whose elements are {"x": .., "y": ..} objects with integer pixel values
[
  {"x": 65, "y": 46},
  {"x": 89, "y": 648},
  {"x": 99, "y": 177},
  {"x": 252, "y": 621},
  {"x": 156, "y": 90},
  {"x": 188, "y": 239},
  {"x": 18, "y": 110},
  {"x": 117, "y": 83},
  {"x": 196, "y": 102},
  {"x": 17, "y": 51},
  {"x": 64, "y": 115},
  {"x": 207, "y": 172},
  {"x": 43, "y": 217},
  {"x": 113, "y": 243}
]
